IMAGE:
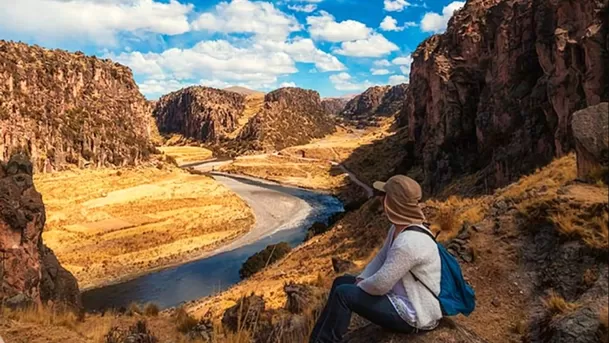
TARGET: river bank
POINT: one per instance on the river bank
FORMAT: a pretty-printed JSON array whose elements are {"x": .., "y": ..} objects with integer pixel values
[{"x": 282, "y": 214}]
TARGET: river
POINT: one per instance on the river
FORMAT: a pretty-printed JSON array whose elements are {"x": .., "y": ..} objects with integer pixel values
[{"x": 283, "y": 214}]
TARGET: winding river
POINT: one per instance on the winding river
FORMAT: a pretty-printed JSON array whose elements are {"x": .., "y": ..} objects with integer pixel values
[{"x": 282, "y": 213}]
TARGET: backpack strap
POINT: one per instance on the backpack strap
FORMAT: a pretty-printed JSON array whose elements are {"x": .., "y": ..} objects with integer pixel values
[{"x": 419, "y": 229}]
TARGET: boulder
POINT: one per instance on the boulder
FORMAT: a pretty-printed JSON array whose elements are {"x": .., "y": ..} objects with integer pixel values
[
  {"x": 300, "y": 297},
  {"x": 137, "y": 333},
  {"x": 591, "y": 133},
  {"x": 246, "y": 314}
]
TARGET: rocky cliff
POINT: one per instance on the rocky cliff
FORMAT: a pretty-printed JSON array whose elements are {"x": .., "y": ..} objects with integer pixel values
[
  {"x": 203, "y": 113},
  {"x": 334, "y": 105},
  {"x": 30, "y": 273},
  {"x": 376, "y": 101},
  {"x": 290, "y": 116},
  {"x": 64, "y": 108},
  {"x": 496, "y": 92}
]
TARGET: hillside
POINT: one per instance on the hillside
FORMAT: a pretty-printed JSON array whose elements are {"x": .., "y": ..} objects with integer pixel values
[
  {"x": 494, "y": 94},
  {"x": 69, "y": 109},
  {"x": 334, "y": 105},
  {"x": 290, "y": 116},
  {"x": 202, "y": 113},
  {"x": 377, "y": 101}
]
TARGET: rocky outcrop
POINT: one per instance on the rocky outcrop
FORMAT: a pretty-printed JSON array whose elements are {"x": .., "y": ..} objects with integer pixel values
[
  {"x": 365, "y": 104},
  {"x": 392, "y": 101},
  {"x": 334, "y": 105},
  {"x": 289, "y": 117},
  {"x": 591, "y": 132},
  {"x": 30, "y": 271},
  {"x": 203, "y": 113},
  {"x": 496, "y": 92},
  {"x": 66, "y": 108}
]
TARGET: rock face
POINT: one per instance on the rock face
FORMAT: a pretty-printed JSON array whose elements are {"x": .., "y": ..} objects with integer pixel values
[
  {"x": 63, "y": 108},
  {"x": 365, "y": 104},
  {"x": 30, "y": 271},
  {"x": 496, "y": 92},
  {"x": 591, "y": 132},
  {"x": 334, "y": 105},
  {"x": 376, "y": 101},
  {"x": 290, "y": 116},
  {"x": 202, "y": 113}
]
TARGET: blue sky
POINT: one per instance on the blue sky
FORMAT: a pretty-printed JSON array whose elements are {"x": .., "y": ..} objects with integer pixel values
[{"x": 336, "y": 47}]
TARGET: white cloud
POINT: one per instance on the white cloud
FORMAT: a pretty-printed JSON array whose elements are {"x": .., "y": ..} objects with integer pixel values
[
  {"x": 376, "y": 45},
  {"x": 397, "y": 79},
  {"x": 287, "y": 84},
  {"x": 344, "y": 82},
  {"x": 390, "y": 24},
  {"x": 396, "y": 5},
  {"x": 380, "y": 71},
  {"x": 244, "y": 16},
  {"x": 308, "y": 8},
  {"x": 382, "y": 63},
  {"x": 92, "y": 21},
  {"x": 405, "y": 70},
  {"x": 156, "y": 88},
  {"x": 434, "y": 22},
  {"x": 304, "y": 50},
  {"x": 402, "y": 61},
  {"x": 324, "y": 27}
]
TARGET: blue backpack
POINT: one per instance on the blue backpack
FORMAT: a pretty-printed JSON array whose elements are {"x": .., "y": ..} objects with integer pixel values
[{"x": 456, "y": 296}]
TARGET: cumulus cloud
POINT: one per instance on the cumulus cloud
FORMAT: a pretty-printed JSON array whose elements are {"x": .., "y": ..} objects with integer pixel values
[
  {"x": 262, "y": 19},
  {"x": 308, "y": 8},
  {"x": 395, "y": 5},
  {"x": 397, "y": 79},
  {"x": 390, "y": 24},
  {"x": 405, "y": 70},
  {"x": 287, "y": 84},
  {"x": 304, "y": 50},
  {"x": 434, "y": 22},
  {"x": 380, "y": 71},
  {"x": 402, "y": 61},
  {"x": 92, "y": 21},
  {"x": 325, "y": 27},
  {"x": 345, "y": 82},
  {"x": 382, "y": 63},
  {"x": 257, "y": 64},
  {"x": 375, "y": 45}
]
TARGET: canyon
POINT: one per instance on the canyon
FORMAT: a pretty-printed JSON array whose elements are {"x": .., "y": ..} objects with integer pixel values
[{"x": 503, "y": 122}]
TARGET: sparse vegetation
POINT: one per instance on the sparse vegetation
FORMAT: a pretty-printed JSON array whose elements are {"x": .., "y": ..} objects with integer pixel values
[
  {"x": 133, "y": 309},
  {"x": 261, "y": 259},
  {"x": 556, "y": 305},
  {"x": 151, "y": 310},
  {"x": 184, "y": 321}
]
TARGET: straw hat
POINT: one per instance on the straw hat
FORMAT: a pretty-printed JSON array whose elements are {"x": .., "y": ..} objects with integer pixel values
[{"x": 402, "y": 200}]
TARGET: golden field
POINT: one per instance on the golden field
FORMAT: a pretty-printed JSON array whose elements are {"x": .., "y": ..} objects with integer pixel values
[{"x": 109, "y": 225}]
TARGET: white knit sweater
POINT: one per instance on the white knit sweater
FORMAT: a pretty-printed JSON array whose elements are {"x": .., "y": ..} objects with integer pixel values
[{"x": 411, "y": 251}]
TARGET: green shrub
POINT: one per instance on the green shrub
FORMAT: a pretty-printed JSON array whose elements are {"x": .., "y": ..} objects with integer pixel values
[{"x": 261, "y": 259}]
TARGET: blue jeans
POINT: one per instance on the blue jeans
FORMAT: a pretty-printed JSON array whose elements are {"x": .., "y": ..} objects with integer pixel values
[{"x": 345, "y": 297}]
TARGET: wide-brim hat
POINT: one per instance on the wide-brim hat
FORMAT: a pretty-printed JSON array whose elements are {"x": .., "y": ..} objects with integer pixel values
[{"x": 402, "y": 196}]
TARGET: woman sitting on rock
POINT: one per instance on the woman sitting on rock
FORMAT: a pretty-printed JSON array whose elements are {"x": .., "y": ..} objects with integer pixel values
[{"x": 386, "y": 292}]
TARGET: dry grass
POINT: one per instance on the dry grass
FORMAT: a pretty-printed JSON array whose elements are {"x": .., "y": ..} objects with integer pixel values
[
  {"x": 187, "y": 154},
  {"x": 151, "y": 310},
  {"x": 556, "y": 305},
  {"x": 184, "y": 321},
  {"x": 116, "y": 224},
  {"x": 449, "y": 216},
  {"x": 290, "y": 171}
]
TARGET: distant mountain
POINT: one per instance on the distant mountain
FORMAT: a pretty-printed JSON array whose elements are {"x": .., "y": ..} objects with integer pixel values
[
  {"x": 242, "y": 90},
  {"x": 376, "y": 101},
  {"x": 334, "y": 105}
]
